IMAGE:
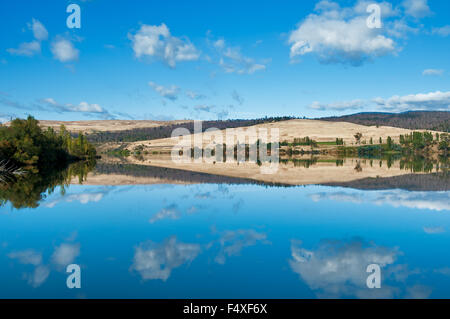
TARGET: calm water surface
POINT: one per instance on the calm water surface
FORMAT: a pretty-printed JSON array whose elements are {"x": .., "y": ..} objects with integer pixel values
[{"x": 227, "y": 241}]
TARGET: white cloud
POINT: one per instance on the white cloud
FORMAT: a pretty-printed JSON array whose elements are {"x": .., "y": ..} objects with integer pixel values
[
  {"x": 204, "y": 108},
  {"x": 338, "y": 268},
  {"x": 356, "y": 198},
  {"x": 219, "y": 44},
  {"x": 31, "y": 257},
  {"x": 421, "y": 101},
  {"x": 338, "y": 106},
  {"x": 170, "y": 212},
  {"x": 442, "y": 31},
  {"x": 434, "y": 230},
  {"x": 232, "y": 242},
  {"x": 233, "y": 61},
  {"x": 437, "y": 101},
  {"x": 170, "y": 92},
  {"x": 27, "y": 257},
  {"x": 156, "y": 261},
  {"x": 418, "y": 292},
  {"x": 156, "y": 41},
  {"x": 438, "y": 201},
  {"x": 39, "y": 31},
  {"x": 39, "y": 276},
  {"x": 27, "y": 49},
  {"x": 417, "y": 8},
  {"x": 87, "y": 108},
  {"x": 33, "y": 47},
  {"x": 83, "y": 198},
  {"x": 82, "y": 107},
  {"x": 433, "y": 72},
  {"x": 65, "y": 254},
  {"x": 194, "y": 95},
  {"x": 64, "y": 51},
  {"x": 340, "y": 35}
]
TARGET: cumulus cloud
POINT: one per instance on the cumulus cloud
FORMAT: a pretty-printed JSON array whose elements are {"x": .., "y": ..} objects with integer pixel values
[
  {"x": 204, "y": 108},
  {"x": 437, "y": 101},
  {"x": 83, "y": 198},
  {"x": 232, "y": 60},
  {"x": 33, "y": 47},
  {"x": 82, "y": 107},
  {"x": 340, "y": 35},
  {"x": 27, "y": 257},
  {"x": 39, "y": 31},
  {"x": 417, "y": 8},
  {"x": 38, "y": 277},
  {"x": 170, "y": 92},
  {"x": 62, "y": 256},
  {"x": 437, "y": 201},
  {"x": 233, "y": 242},
  {"x": 433, "y": 72},
  {"x": 65, "y": 254},
  {"x": 421, "y": 101},
  {"x": 157, "y": 42},
  {"x": 356, "y": 198},
  {"x": 156, "y": 261},
  {"x": 434, "y": 230},
  {"x": 338, "y": 106},
  {"x": 64, "y": 51},
  {"x": 442, "y": 31},
  {"x": 194, "y": 95},
  {"x": 31, "y": 257},
  {"x": 338, "y": 268},
  {"x": 26, "y": 49},
  {"x": 170, "y": 212}
]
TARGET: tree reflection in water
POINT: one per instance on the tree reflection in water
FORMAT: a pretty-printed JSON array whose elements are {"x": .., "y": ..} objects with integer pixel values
[{"x": 28, "y": 189}]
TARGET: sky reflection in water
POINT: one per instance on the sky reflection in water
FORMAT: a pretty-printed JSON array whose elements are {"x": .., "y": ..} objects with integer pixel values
[{"x": 227, "y": 241}]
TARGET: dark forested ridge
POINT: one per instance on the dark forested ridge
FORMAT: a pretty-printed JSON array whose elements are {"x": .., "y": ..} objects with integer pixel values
[
  {"x": 152, "y": 133},
  {"x": 174, "y": 174},
  {"x": 412, "y": 182},
  {"x": 413, "y": 120}
]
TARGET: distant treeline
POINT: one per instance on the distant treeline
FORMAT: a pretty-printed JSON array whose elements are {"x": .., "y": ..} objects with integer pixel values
[
  {"x": 413, "y": 120},
  {"x": 153, "y": 133},
  {"x": 411, "y": 182}
]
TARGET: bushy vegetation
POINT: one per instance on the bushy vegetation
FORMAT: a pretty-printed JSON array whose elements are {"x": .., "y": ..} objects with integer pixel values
[
  {"x": 300, "y": 141},
  {"x": 24, "y": 143},
  {"x": 418, "y": 142}
]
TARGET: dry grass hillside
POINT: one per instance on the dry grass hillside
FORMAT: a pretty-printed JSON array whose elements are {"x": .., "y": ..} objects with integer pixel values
[
  {"x": 320, "y": 131},
  {"x": 104, "y": 125}
]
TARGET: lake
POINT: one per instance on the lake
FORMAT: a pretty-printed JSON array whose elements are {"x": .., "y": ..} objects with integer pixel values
[{"x": 225, "y": 238}]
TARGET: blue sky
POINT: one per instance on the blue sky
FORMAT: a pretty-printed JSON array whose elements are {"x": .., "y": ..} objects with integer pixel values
[{"x": 222, "y": 59}]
